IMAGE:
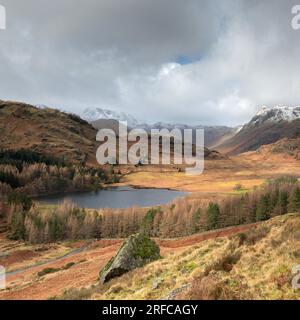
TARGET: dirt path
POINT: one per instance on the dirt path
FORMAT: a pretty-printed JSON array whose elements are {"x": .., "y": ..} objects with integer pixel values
[
  {"x": 67, "y": 255},
  {"x": 88, "y": 261}
]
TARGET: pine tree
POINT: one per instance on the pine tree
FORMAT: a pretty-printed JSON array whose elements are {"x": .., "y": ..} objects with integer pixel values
[
  {"x": 56, "y": 229},
  {"x": 213, "y": 215},
  {"x": 147, "y": 224},
  {"x": 282, "y": 203},
  {"x": 294, "y": 201},
  {"x": 263, "y": 208},
  {"x": 20, "y": 200},
  {"x": 196, "y": 221},
  {"x": 274, "y": 198},
  {"x": 18, "y": 230}
]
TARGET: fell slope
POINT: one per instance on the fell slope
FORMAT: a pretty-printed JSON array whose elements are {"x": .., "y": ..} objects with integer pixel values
[
  {"x": 288, "y": 148},
  {"x": 52, "y": 132},
  {"x": 256, "y": 264},
  {"x": 268, "y": 126},
  {"x": 47, "y": 131},
  {"x": 245, "y": 262},
  {"x": 250, "y": 138}
]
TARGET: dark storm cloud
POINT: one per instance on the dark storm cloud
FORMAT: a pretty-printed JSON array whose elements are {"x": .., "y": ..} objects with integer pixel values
[
  {"x": 172, "y": 60},
  {"x": 150, "y": 29}
]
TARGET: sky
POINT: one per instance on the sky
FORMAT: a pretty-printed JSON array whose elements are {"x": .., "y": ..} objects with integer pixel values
[{"x": 210, "y": 62}]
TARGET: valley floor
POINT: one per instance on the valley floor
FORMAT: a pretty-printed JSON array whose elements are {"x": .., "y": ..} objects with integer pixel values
[
  {"x": 259, "y": 268},
  {"x": 220, "y": 176}
]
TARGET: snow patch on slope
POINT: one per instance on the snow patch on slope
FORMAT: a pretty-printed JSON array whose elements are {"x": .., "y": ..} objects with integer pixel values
[
  {"x": 94, "y": 114},
  {"x": 276, "y": 114}
]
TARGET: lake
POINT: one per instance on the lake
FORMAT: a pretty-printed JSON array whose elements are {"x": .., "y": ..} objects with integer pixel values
[{"x": 117, "y": 198}]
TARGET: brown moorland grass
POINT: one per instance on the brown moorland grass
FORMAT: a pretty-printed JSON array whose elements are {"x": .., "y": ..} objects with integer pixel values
[
  {"x": 247, "y": 264},
  {"x": 220, "y": 176},
  {"x": 27, "y": 284},
  {"x": 225, "y": 268}
]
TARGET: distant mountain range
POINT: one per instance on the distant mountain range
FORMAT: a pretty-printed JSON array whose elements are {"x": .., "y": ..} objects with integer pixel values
[
  {"x": 98, "y": 118},
  {"x": 55, "y": 133},
  {"x": 50, "y": 131},
  {"x": 269, "y": 125}
]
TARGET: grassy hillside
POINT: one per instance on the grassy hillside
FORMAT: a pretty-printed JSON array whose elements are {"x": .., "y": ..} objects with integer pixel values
[
  {"x": 47, "y": 131},
  {"x": 55, "y": 133},
  {"x": 256, "y": 264},
  {"x": 285, "y": 147}
]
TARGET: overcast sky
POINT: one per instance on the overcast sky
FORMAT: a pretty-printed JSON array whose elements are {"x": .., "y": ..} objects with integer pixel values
[{"x": 192, "y": 61}]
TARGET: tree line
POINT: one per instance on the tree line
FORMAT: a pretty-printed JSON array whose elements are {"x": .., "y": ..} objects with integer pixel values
[
  {"x": 33, "y": 174},
  {"x": 19, "y": 157},
  {"x": 181, "y": 218}
]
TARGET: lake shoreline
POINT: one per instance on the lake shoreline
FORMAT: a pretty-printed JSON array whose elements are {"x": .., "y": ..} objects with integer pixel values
[{"x": 116, "y": 197}]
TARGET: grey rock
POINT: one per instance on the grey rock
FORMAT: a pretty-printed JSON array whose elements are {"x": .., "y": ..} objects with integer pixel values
[
  {"x": 136, "y": 251},
  {"x": 157, "y": 284},
  {"x": 173, "y": 294}
]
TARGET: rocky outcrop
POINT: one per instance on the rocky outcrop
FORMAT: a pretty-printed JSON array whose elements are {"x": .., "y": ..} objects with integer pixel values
[{"x": 136, "y": 251}]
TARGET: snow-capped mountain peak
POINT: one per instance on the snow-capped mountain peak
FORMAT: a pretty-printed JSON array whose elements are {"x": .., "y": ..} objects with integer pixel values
[
  {"x": 94, "y": 114},
  {"x": 276, "y": 114}
]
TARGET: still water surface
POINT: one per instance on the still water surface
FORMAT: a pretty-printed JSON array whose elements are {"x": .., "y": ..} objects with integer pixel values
[{"x": 119, "y": 197}]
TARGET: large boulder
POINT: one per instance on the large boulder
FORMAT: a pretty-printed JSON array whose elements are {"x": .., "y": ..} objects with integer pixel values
[{"x": 136, "y": 251}]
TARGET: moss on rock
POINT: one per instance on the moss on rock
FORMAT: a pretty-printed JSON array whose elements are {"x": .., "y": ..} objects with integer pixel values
[{"x": 136, "y": 251}]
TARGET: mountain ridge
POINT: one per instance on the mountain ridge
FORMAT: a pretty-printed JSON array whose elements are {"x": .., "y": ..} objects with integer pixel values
[
  {"x": 269, "y": 125},
  {"x": 276, "y": 114},
  {"x": 97, "y": 117}
]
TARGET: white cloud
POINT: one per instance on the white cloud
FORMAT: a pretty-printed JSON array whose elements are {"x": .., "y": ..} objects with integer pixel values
[{"x": 126, "y": 55}]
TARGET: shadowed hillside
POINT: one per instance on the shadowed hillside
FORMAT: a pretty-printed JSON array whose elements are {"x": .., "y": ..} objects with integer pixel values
[
  {"x": 268, "y": 126},
  {"x": 251, "y": 138}
]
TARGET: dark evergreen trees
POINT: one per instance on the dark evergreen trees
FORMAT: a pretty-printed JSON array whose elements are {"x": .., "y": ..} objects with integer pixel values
[
  {"x": 196, "y": 221},
  {"x": 282, "y": 202},
  {"x": 294, "y": 201},
  {"x": 213, "y": 215},
  {"x": 263, "y": 209},
  {"x": 21, "y": 200}
]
